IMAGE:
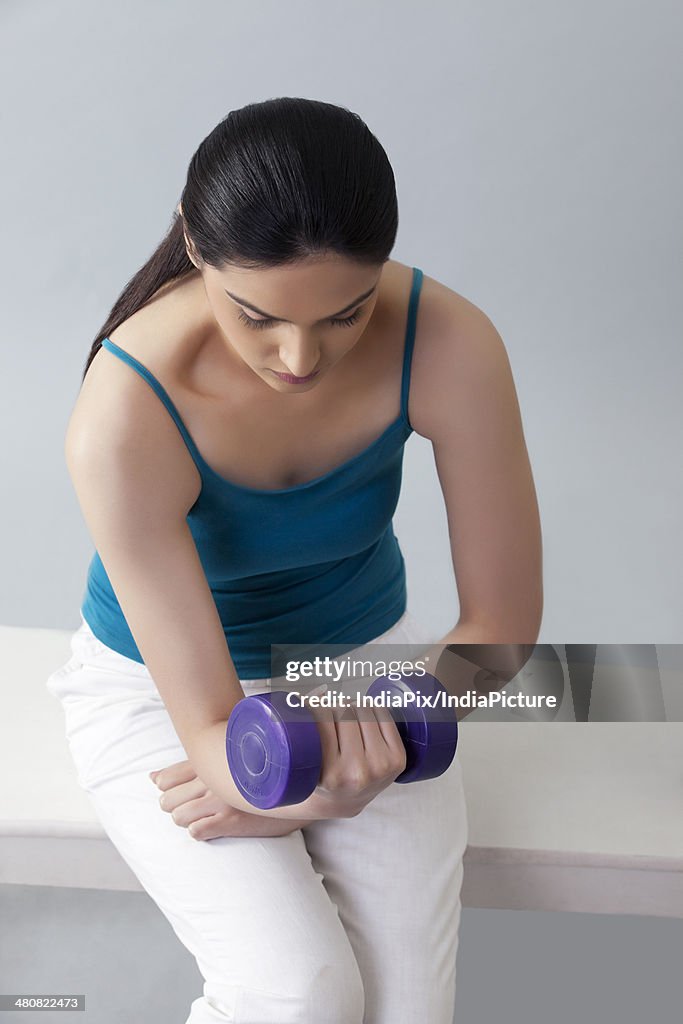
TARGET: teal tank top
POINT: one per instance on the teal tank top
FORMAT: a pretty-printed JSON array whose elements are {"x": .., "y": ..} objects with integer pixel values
[{"x": 317, "y": 563}]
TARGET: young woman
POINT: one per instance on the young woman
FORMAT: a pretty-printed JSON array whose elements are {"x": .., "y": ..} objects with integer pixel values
[{"x": 236, "y": 448}]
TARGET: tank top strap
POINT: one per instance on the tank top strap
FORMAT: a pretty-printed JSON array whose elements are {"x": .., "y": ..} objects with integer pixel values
[
  {"x": 410, "y": 341},
  {"x": 161, "y": 392}
]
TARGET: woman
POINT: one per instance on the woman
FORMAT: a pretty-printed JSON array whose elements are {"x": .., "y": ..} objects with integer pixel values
[{"x": 236, "y": 448}]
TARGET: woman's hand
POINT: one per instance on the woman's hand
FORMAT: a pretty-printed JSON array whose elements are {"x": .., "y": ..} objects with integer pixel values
[
  {"x": 362, "y": 753},
  {"x": 206, "y": 816}
]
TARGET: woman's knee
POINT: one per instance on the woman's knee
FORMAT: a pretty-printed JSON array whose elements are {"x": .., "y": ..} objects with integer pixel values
[
  {"x": 335, "y": 995},
  {"x": 330, "y": 993}
]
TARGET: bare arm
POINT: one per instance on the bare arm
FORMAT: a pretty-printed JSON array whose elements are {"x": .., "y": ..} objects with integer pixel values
[
  {"x": 475, "y": 426},
  {"x": 135, "y": 483},
  {"x": 209, "y": 760}
]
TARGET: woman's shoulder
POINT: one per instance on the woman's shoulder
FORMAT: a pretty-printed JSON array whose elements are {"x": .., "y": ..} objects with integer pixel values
[
  {"x": 161, "y": 338},
  {"x": 446, "y": 331},
  {"x": 166, "y": 333}
]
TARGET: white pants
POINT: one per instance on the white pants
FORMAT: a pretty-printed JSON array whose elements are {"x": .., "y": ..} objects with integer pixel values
[{"x": 346, "y": 921}]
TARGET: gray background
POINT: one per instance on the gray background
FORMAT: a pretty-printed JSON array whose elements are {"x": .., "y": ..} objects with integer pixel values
[{"x": 537, "y": 153}]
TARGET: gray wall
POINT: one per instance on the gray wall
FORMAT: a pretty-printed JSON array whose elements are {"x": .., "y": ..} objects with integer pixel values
[{"x": 537, "y": 153}]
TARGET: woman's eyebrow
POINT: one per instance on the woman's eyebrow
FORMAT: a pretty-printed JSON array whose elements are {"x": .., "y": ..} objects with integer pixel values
[{"x": 255, "y": 309}]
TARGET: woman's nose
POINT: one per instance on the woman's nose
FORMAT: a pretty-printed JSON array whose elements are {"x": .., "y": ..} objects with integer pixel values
[{"x": 299, "y": 360}]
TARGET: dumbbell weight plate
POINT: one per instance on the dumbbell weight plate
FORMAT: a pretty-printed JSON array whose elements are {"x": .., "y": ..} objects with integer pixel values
[
  {"x": 430, "y": 735},
  {"x": 274, "y": 751}
]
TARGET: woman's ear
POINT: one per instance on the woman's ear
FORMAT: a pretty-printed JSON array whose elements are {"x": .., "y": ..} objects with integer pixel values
[{"x": 191, "y": 254}]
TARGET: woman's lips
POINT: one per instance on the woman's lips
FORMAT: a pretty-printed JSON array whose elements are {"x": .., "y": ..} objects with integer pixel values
[{"x": 295, "y": 380}]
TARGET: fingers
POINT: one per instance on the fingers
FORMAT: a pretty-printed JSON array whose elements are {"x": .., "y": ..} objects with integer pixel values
[
  {"x": 351, "y": 730},
  {"x": 177, "y": 795},
  {"x": 192, "y": 811},
  {"x": 379, "y": 731},
  {"x": 340, "y": 742},
  {"x": 329, "y": 740},
  {"x": 178, "y": 784},
  {"x": 384, "y": 748},
  {"x": 174, "y": 774},
  {"x": 189, "y": 802},
  {"x": 210, "y": 827}
]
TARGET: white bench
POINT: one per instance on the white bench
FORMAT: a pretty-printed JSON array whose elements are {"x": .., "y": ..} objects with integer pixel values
[{"x": 583, "y": 817}]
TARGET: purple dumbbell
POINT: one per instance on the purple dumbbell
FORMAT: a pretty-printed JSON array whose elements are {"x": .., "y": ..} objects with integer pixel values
[{"x": 274, "y": 750}]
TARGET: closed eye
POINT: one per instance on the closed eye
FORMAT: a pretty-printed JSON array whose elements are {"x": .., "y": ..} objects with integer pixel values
[{"x": 337, "y": 321}]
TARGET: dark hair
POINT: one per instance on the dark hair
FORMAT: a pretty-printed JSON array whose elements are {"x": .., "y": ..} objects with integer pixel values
[{"x": 273, "y": 183}]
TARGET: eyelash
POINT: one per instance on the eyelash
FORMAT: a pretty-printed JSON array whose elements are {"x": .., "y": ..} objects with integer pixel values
[{"x": 258, "y": 324}]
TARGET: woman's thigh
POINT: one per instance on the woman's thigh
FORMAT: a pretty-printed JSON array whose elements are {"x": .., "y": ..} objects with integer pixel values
[
  {"x": 395, "y": 873},
  {"x": 253, "y": 911}
]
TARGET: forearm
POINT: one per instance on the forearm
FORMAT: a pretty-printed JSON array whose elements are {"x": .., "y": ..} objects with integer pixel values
[
  {"x": 208, "y": 757},
  {"x": 474, "y": 656},
  {"x": 471, "y": 656}
]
